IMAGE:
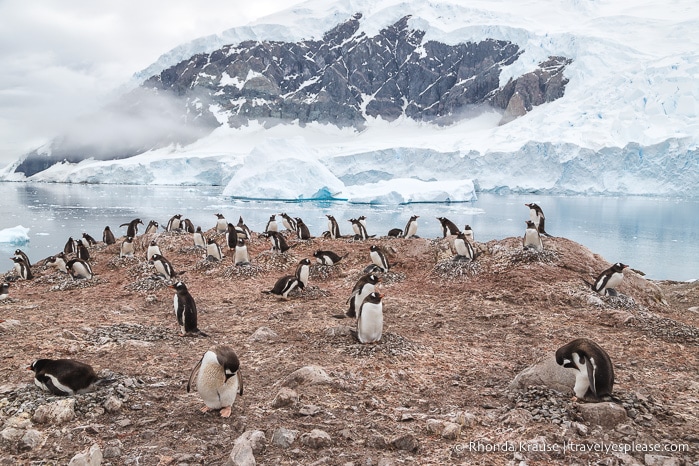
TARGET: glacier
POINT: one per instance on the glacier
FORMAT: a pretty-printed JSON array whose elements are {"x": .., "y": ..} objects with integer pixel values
[{"x": 627, "y": 124}]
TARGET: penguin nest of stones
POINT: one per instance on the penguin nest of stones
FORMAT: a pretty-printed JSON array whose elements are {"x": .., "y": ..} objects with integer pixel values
[
  {"x": 121, "y": 333},
  {"x": 665, "y": 328},
  {"x": 543, "y": 403},
  {"x": 151, "y": 283},
  {"x": 309, "y": 292},
  {"x": 326, "y": 272},
  {"x": 391, "y": 344},
  {"x": 274, "y": 260},
  {"x": 207, "y": 265},
  {"x": 69, "y": 284},
  {"x": 246, "y": 271},
  {"x": 454, "y": 269},
  {"x": 122, "y": 262}
]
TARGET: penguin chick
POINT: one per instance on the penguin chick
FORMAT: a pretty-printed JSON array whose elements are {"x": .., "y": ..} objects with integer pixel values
[
  {"x": 219, "y": 380},
  {"x": 63, "y": 376},
  {"x": 532, "y": 238},
  {"x": 594, "y": 376}
]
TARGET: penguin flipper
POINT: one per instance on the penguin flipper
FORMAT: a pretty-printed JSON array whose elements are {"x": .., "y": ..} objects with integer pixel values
[{"x": 591, "y": 376}]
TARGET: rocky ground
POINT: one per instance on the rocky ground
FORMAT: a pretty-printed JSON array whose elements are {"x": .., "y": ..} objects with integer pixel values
[{"x": 438, "y": 388}]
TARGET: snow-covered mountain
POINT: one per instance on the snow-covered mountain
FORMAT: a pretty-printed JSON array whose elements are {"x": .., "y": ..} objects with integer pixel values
[{"x": 387, "y": 101}]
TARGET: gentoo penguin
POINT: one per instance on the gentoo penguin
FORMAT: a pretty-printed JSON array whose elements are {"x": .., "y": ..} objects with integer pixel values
[
  {"x": 185, "y": 310},
  {"x": 221, "y": 223},
  {"x": 81, "y": 250},
  {"x": 302, "y": 229},
  {"x": 108, "y": 236},
  {"x": 333, "y": 227},
  {"x": 448, "y": 227},
  {"x": 163, "y": 267},
  {"x": 395, "y": 233},
  {"x": 4, "y": 291},
  {"x": 463, "y": 247},
  {"x": 59, "y": 262},
  {"x": 359, "y": 229},
  {"x": 411, "y": 227},
  {"x": 23, "y": 255},
  {"x": 272, "y": 224},
  {"x": 532, "y": 238},
  {"x": 127, "y": 247},
  {"x": 595, "y": 373},
  {"x": 536, "y": 215},
  {"x": 468, "y": 233},
  {"x": 243, "y": 228},
  {"x": 303, "y": 270},
  {"x": 283, "y": 286},
  {"x": 213, "y": 250},
  {"x": 79, "y": 269},
  {"x": 231, "y": 236},
  {"x": 21, "y": 268},
  {"x": 278, "y": 241},
  {"x": 288, "y": 222},
  {"x": 89, "y": 240},
  {"x": 63, "y": 376},
  {"x": 187, "y": 226},
  {"x": 152, "y": 228},
  {"x": 199, "y": 240},
  {"x": 152, "y": 250},
  {"x": 241, "y": 253},
  {"x": 70, "y": 246},
  {"x": 174, "y": 223},
  {"x": 378, "y": 258},
  {"x": 370, "y": 319},
  {"x": 219, "y": 380},
  {"x": 327, "y": 257},
  {"x": 607, "y": 281},
  {"x": 362, "y": 289},
  {"x": 132, "y": 227}
]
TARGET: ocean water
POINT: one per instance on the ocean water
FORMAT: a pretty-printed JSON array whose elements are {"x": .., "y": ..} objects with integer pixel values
[{"x": 659, "y": 237}]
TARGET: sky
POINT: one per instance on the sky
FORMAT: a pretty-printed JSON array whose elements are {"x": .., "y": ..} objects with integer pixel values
[{"x": 61, "y": 59}]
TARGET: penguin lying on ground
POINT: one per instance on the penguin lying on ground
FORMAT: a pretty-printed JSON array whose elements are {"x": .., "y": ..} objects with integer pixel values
[
  {"x": 327, "y": 257},
  {"x": 594, "y": 377},
  {"x": 79, "y": 269},
  {"x": 219, "y": 380},
  {"x": 64, "y": 376}
]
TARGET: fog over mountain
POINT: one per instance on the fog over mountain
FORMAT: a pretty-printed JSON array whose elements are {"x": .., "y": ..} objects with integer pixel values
[{"x": 408, "y": 102}]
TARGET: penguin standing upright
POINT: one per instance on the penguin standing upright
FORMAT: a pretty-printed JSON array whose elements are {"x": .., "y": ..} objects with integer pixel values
[
  {"x": 448, "y": 227},
  {"x": 174, "y": 223},
  {"x": 302, "y": 229},
  {"x": 22, "y": 268},
  {"x": 378, "y": 258},
  {"x": 4, "y": 291},
  {"x": 272, "y": 224},
  {"x": 79, "y": 269},
  {"x": 333, "y": 227},
  {"x": 132, "y": 227},
  {"x": 187, "y": 226},
  {"x": 89, "y": 240},
  {"x": 63, "y": 377},
  {"x": 288, "y": 222},
  {"x": 163, "y": 266},
  {"x": 221, "y": 223},
  {"x": 243, "y": 228},
  {"x": 463, "y": 247},
  {"x": 303, "y": 270},
  {"x": 213, "y": 250},
  {"x": 278, "y": 241},
  {"x": 532, "y": 238},
  {"x": 199, "y": 240},
  {"x": 370, "y": 319},
  {"x": 108, "y": 236},
  {"x": 152, "y": 250},
  {"x": 468, "y": 233},
  {"x": 152, "y": 228},
  {"x": 70, "y": 246},
  {"x": 241, "y": 253},
  {"x": 231, "y": 236},
  {"x": 219, "y": 380},
  {"x": 81, "y": 250},
  {"x": 127, "y": 247},
  {"x": 536, "y": 215},
  {"x": 58, "y": 262},
  {"x": 327, "y": 257},
  {"x": 23, "y": 255},
  {"x": 607, "y": 281},
  {"x": 185, "y": 310},
  {"x": 359, "y": 229},
  {"x": 411, "y": 227},
  {"x": 364, "y": 286},
  {"x": 594, "y": 378}
]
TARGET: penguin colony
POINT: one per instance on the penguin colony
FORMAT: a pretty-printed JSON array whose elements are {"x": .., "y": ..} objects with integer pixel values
[{"x": 219, "y": 380}]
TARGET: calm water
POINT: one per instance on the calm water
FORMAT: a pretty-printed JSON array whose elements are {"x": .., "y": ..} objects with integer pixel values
[{"x": 657, "y": 236}]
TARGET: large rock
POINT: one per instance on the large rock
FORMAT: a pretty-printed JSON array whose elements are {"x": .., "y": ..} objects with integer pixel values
[
  {"x": 245, "y": 447},
  {"x": 56, "y": 412},
  {"x": 283, "y": 437},
  {"x": 605, "y": 414},
  {"x": 547, "y": 373},
  {"x": 92, "y": 458},
  {"x": 308, "y": 375},
  {"x": 316, "y": 439}
]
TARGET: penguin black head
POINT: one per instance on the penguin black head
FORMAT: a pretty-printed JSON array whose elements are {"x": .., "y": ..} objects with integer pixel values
[
  {"x": 38, "y": 365},
  {"x": 153, "y": 242},
  {"x": 129, "y": 239},
  {"x": 530, "y": 224},
  {"x": 373, "y": 247},
  {"x": 179, "y": 287},
  {"x": 373, "y": 279},
  {"x": 305, "y": 261},
  {"x": 619, "y": 267},
  {"x": 241, "y": 242}
]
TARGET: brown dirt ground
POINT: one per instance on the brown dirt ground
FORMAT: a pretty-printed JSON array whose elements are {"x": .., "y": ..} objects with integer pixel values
[{"x": 455, "y": 336}]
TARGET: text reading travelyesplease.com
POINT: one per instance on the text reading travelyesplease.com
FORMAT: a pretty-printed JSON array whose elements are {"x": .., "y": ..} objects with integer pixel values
[{"x": 478, "y": 446}]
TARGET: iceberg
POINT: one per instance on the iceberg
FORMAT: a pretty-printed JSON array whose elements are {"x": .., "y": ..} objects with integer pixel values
[{"x": 17, "y": 236}]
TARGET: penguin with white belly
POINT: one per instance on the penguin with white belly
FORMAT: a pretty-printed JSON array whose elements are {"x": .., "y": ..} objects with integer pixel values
[
  {"x": 241, "y": 256},
  {"x": 370, "y": 319},
  {"x": 63, "y": 377},
  {"x": 219, "y": 381},
  {"x": 594, "y": 377},
  {"x": 79, "y": 269}
]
